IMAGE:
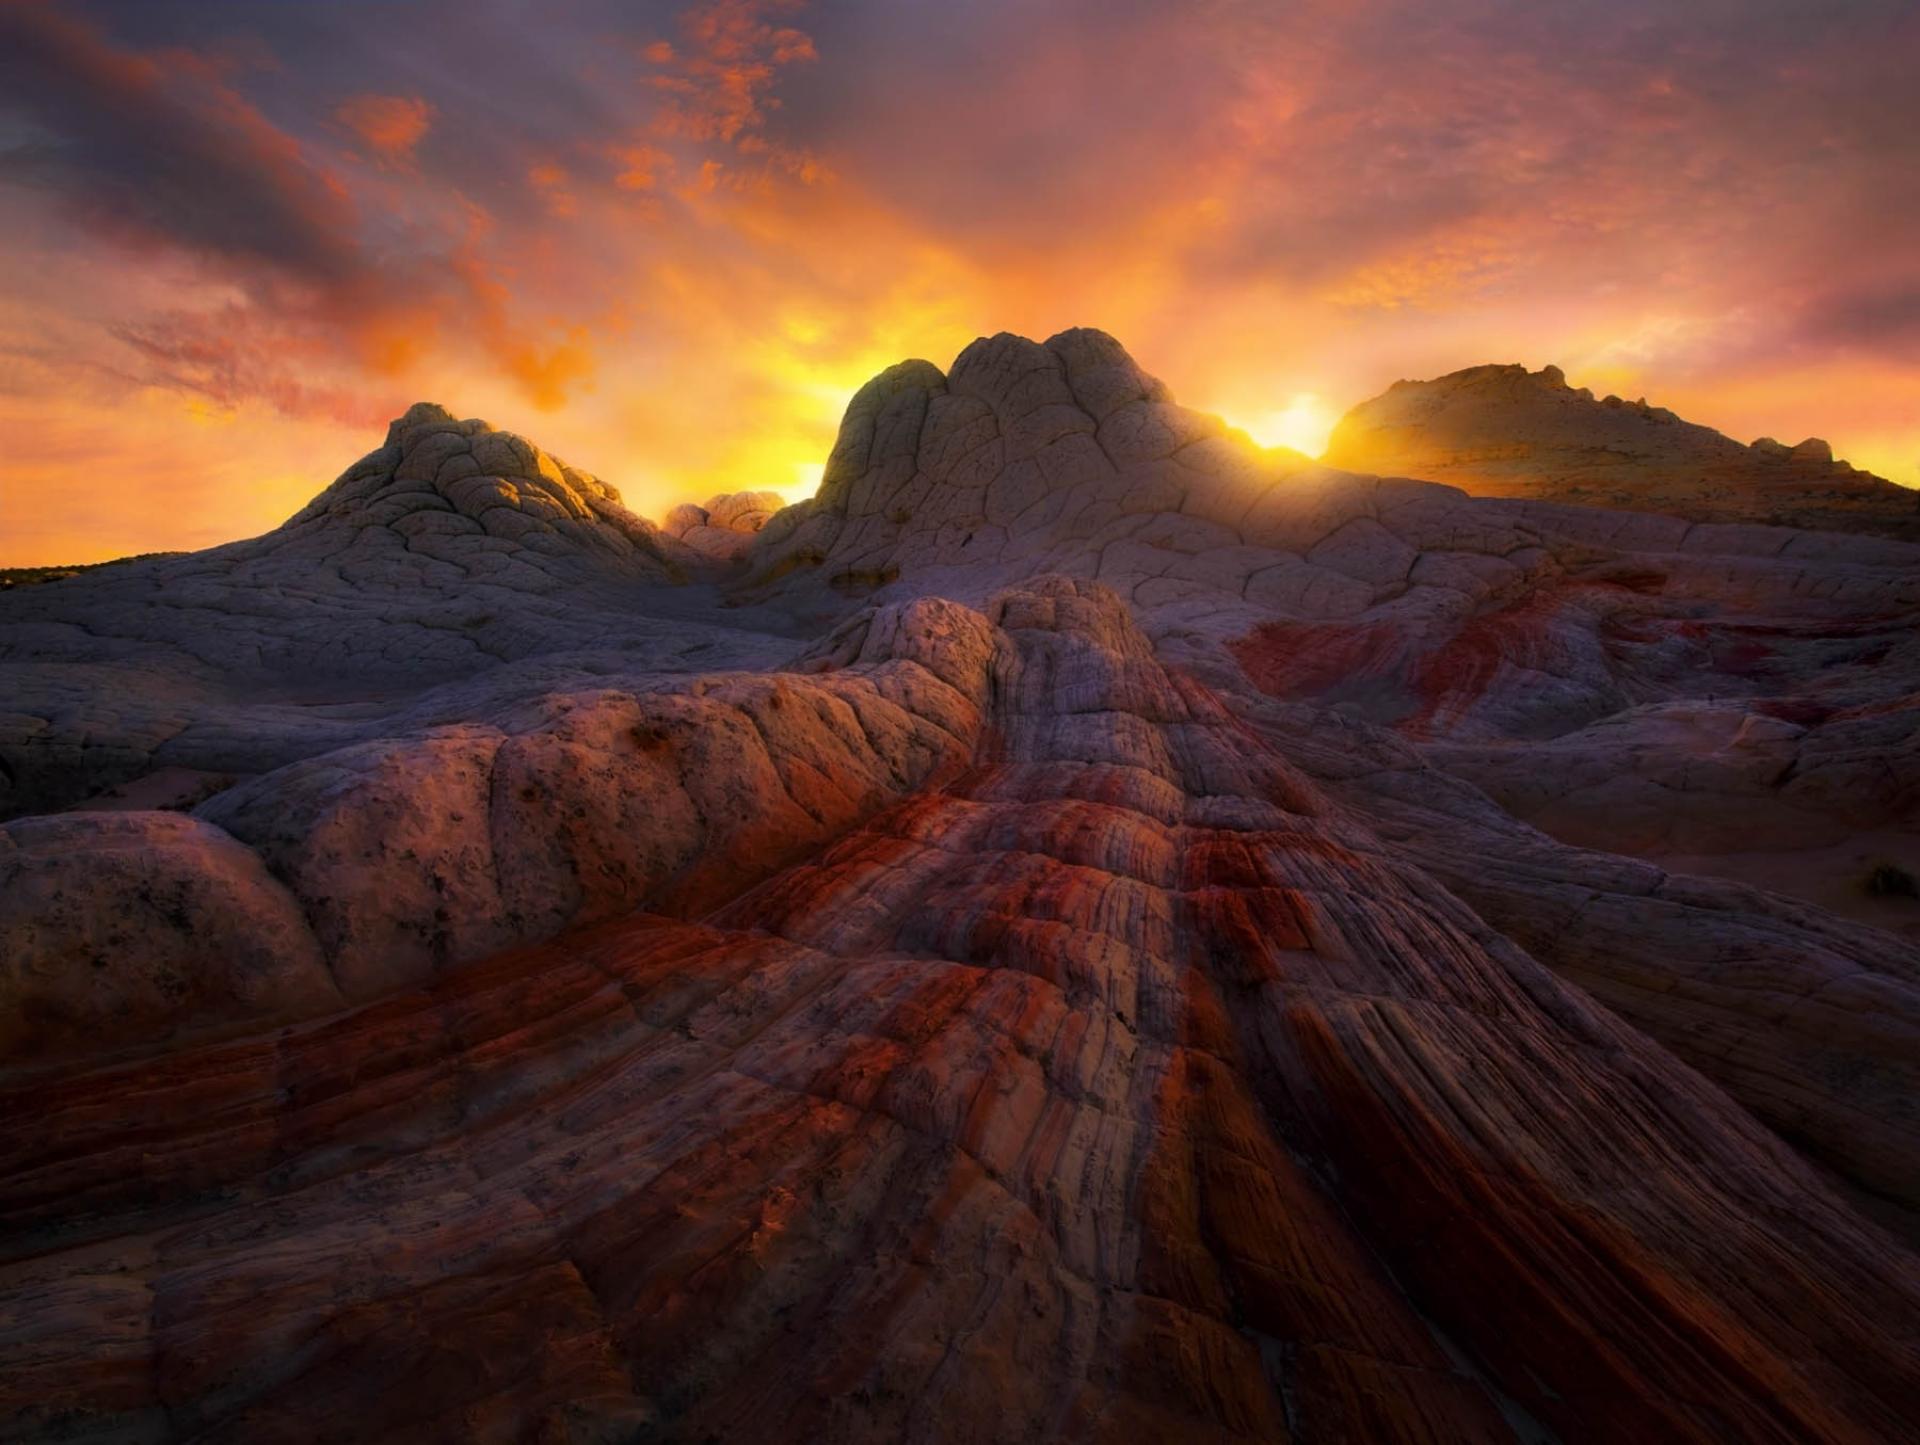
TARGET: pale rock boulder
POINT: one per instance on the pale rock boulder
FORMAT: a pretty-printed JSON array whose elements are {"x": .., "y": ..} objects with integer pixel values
[
  {"x": 1026, "y": 457},
  {"x": 414, "y": 854},
  {"x": 723, "y": 529},
  {"x": 743, "y": 511},
  {"x": 952, "y": 642},
  {"x": 387, "y": 846},
  {"x": 122, "y": 929}
]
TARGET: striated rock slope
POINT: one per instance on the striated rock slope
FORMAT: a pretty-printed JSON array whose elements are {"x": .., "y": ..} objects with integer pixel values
[
  {"x": 1739, "y": 699},
  {"x": 1503, "y": 431},
  {"x": 373, "y": 866},
  {"x": 1120, "y": 1086},
  {"x": 1703, "y": 690},
  {"x": 1085, "y": 929}
]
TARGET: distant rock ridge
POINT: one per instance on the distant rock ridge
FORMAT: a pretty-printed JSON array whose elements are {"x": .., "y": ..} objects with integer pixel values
[
  {"x": 1504, "y": 431},
  {"x": 450, "y": 545},
  {"x": 1066, "y": 455}
]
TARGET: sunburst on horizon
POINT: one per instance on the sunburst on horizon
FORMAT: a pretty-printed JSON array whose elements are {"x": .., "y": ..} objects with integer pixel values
[{"x": 1304, "y": 424}]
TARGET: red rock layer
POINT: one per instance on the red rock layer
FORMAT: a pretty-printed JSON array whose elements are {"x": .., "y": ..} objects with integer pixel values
[{"x": 1120, "y": 1088}]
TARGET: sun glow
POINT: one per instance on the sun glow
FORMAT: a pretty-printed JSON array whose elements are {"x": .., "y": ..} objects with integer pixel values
[
  {"x": 806, "y": 481},
  {"x": 1304, "y": 424}
]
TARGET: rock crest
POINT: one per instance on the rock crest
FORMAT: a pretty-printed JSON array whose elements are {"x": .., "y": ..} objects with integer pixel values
[
  {"x": 459, "y": 491},
  {"x": 1502, "y": 431}
]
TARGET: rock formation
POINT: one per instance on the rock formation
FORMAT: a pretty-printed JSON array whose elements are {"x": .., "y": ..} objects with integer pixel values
[
  {"x": 1503, "y": 431},
  {"x": 447, "y": 552},
  {"x": 1084, "y": 929},
  {"x": 723, "y": 530}
]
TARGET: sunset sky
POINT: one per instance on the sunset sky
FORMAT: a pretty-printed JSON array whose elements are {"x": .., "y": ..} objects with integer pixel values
[{"x": 668, "y": 240}]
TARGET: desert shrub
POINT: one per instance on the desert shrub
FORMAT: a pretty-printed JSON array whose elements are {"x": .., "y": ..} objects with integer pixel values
[{"x": 1890, "y": 880}]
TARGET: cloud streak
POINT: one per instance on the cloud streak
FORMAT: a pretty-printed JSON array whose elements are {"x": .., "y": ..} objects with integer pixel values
[{"x": 160, "y": 151}]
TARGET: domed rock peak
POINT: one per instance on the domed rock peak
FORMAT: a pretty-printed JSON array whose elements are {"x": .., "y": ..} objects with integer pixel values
[
  {"x": 441, "y": 483},
  {"x": 1021, "y": 449}
]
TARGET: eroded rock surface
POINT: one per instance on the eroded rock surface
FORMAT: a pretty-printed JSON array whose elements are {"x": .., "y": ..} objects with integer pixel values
[
  {"x": 117, "y": 928},
  {"x": 1085, "y": 929},
  {"x": 723, "y": 530},
  {"x": 451, "y": 543},
  {"x": 451, "y": 568}
]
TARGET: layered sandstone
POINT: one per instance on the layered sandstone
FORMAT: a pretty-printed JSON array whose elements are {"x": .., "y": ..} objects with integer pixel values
[
  {"x": 1085, "y": 928},
  {"x": 1017, "y": 1111}
]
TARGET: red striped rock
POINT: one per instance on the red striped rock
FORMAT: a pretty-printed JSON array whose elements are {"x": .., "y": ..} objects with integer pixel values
[{"x": 1125, "y": 1083}]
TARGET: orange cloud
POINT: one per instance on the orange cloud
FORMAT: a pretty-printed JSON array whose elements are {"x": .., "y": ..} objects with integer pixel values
[
  {"x": 719, "y": 85},
  {"x": 554, "y": 184},
  {"x": 157, "y": 152},
  {"x": 550, "y": 375},
  {"x": 390, "y": 126},
  {"x": 641, "y": 166}
]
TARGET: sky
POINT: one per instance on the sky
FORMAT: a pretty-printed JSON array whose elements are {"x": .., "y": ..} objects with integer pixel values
[{"x": 667, "y": 241}]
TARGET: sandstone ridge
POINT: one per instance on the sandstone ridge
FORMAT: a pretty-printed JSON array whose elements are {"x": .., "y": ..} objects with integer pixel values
[
  {"x": 1504, "y": 431},
  {"x": 452, "y": 551}
]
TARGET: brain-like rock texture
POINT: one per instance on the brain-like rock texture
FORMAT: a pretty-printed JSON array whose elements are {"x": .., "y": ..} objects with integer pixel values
[
  {"x": 722, "y": 530},
  {"x": 1504, "y": 431},
  {"x": 1084, "y": 929},
  {"x": 441, "y": 485}
]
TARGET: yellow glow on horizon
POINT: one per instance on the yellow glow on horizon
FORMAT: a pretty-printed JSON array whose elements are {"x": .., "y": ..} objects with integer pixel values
[
  {"x": 806, "y": 481},
  {"x": 199, "y": 411},
  {"x": 1303, "y": 424}
]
